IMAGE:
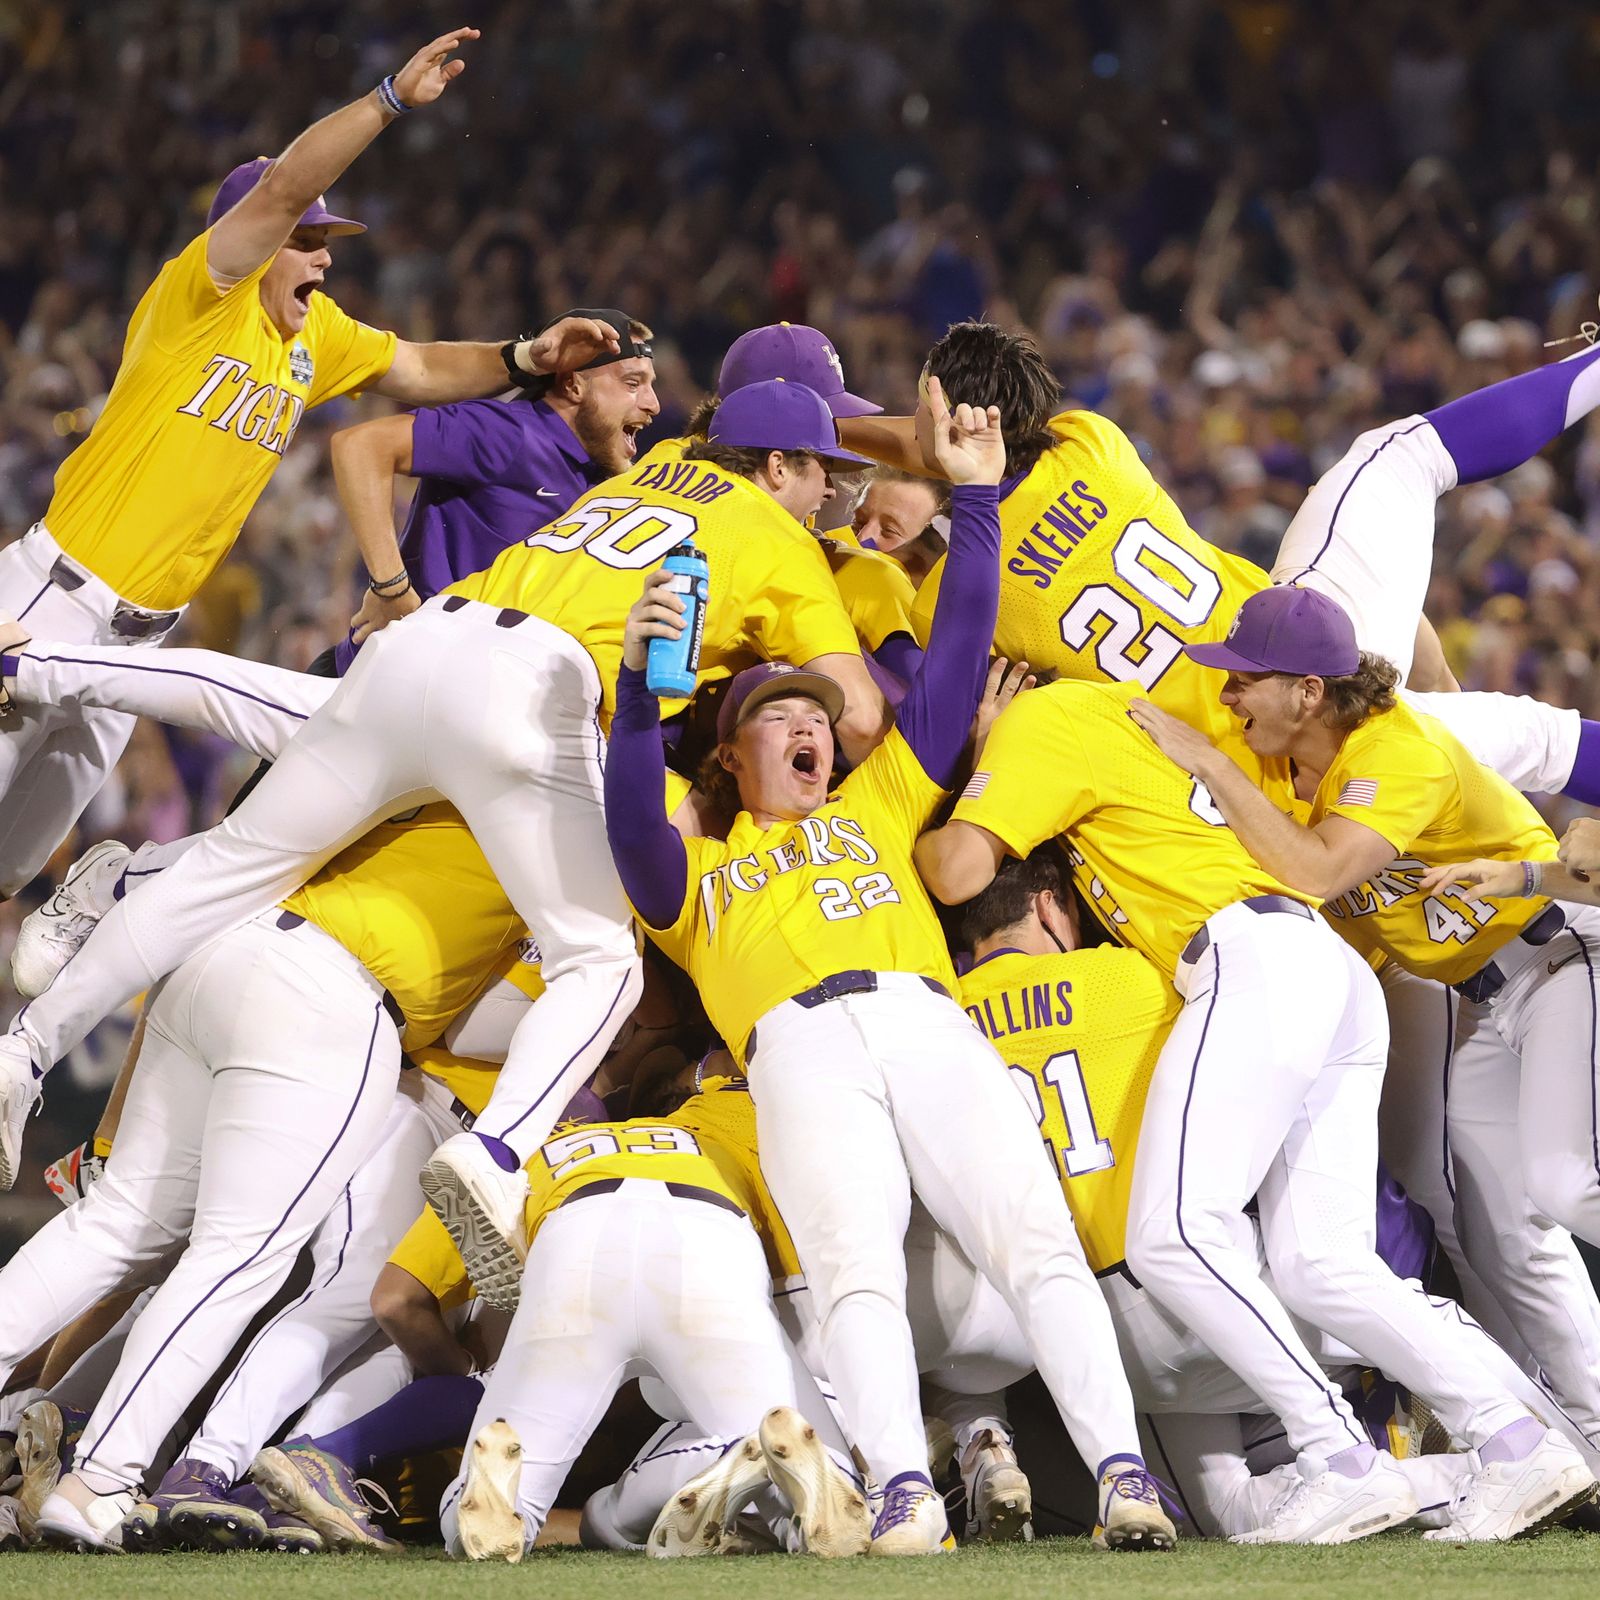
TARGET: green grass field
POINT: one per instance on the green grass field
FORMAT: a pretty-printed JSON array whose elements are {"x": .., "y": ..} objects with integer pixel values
[{"x": 1396, "y": 1567}]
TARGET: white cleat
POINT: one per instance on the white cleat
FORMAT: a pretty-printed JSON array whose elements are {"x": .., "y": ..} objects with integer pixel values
[
  {"x": 693, "y": 1521},
  {"x": 19, "y": 1093},
  {"x": 481, "y": 1207},
  {"x": 81, "y": 1519},
  {"x": 1319, "y": 1506},
  {"x": 1516, "y": 1499},
  {"x": 488, "y": 1524},
  {"x": 832, "y": 1513},
  {"x": 999, "y": 1496},
  {"x": 1131, "y": 1514},
  {"x": 55, "y": 933},
  {"x": 39, "y": 1432},
  {"x": 911, "y": 1523}
]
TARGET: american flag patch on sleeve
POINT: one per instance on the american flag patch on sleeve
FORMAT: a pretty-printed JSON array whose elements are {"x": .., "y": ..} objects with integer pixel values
[
  {"x": 1358, "y": 792},
  {"x": 976, "y": 784}
]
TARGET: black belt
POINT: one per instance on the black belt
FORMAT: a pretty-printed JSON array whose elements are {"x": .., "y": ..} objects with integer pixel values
[
  {"x": 127, "y": 622},
  {"x": 835, "y": 987},
  {"x": 1489, "y": 980},
  {"x": 1262, "y": 904},
  {"x": 288, "y": 921},
  {"x": 684, "y": 1191},
  {"x": 509, "y": 617}
]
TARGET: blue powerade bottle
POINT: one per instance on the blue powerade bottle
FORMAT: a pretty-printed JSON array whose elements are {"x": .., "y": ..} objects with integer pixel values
[{"x": 671, "y": 663}]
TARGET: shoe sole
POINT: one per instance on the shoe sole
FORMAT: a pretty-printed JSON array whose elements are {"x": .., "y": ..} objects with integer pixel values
[
  {"x": 215, "y": 1525},
  {"x": 1340, "y": 1533},
  {"x": 10, "y": 1149},
  {"x": 492, "y": 1261},
  {"x": 28, "y": 983},
  {"x": 1566, "y": 1502},
  {"x": 691, "y": 1523},
  {"x": 290, "y": 1491},
  {"x": 143, "y": 1535},
  {"x": 39, "y": 1455},
  {"x": 1006, "y": 1514},
  {"x": 833, "y": 1515},
  {"x": 488, "y": 1523},
  {"x": 1138, "y": 1539}
]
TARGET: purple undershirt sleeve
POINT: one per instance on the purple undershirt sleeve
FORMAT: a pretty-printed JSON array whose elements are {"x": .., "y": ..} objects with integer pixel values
[
  {"x": 936, "y": 714},
  {"x": 899, "y": 654},
  {"x": 651, "y": 860}
]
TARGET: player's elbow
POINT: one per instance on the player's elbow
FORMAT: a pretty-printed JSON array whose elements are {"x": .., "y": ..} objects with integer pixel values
[
  {"x": 950, "y": 866},
  {"x": 384, "y": 443},
  {"x": 401, "y": 1305}
]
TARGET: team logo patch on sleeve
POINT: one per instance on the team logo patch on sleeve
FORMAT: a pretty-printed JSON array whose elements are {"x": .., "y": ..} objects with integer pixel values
[
  {"x": 1358, "y": 792},
  {"x": 976, "y": 784}
]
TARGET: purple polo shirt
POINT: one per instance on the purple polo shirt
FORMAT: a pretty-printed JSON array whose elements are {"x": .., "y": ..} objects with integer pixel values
[{"x": 492, "y": 471}]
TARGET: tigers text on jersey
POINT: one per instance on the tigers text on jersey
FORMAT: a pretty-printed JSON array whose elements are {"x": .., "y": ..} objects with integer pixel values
[
  {"x": 1081, "y": 1032},
  {"x": 1101, "y": 578},
  {"x": 769, "y": 912},
  {"x": 415, "y": 902},
  {"x": 204, "y": 405},
  {"x": 1407, "y": 777},
  {"x": 772, "y": 595},
  {"x": 1150, "y": 850}
]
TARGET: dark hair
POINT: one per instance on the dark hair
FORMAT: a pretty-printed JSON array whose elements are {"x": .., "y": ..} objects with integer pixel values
[
  {"x": 541, "y": 387},
  {"x": 982, "y": 364},
  {"x": 740, "y": 462},
  {"x": 1369, "y": 690},
  {"x": 719, "y": 786},
  {"x": 700, "y": 418},
  {"x": 1009, "y": 897}
]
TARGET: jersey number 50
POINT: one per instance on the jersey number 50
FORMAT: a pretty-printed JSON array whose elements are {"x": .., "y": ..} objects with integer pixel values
[
  {"x": 608, "y": 529},
  {"x": 1131, "y": 650}
]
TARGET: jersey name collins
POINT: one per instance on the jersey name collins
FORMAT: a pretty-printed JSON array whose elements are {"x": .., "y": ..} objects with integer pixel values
[
  {"x": 231, "y": 401},
  {"x": 825, "y": 841}
]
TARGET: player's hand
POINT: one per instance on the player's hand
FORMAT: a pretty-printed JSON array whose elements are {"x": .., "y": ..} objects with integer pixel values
[
  {"x": 423, "y": 78},
  {"x": 967, "y": 443},
  {"x": 657, "y": 614},
  {"x": 1493, "y": 878},
  {"x": 378, "y": 611},
  {"x": 1174, "y": 738},
  {"x": 1006, "y": 681},
  {"x": 571, "y": 343},
  {"x": 1580, "y": 848}
]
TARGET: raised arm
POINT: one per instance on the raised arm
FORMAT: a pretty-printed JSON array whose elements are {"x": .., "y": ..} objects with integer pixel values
[
  {"x": 936, "y": 714},
  {"x": 257, "y": 227},
  {"x": 650, "y": 857}
]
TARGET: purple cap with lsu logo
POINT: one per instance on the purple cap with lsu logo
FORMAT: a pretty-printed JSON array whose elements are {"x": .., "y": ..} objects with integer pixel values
[
  {"x": 245, "y": 177},
  {"x": 775, "y": 415},
  {"x": 797, "y": 354},
  {"x": 1285, "y": 629},
  {"x": 775, "y": 680}
]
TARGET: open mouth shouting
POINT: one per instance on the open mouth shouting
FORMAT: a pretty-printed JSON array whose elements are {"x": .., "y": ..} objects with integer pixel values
[
  {"x": 306, "y": 288},
  {"x": 807, "y": 761}
]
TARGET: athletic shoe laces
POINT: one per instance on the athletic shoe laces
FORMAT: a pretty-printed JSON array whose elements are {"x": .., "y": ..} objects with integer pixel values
[{"x": 899, "y": 1505}]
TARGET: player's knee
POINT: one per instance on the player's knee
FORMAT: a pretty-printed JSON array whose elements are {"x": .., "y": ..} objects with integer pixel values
[
  {"x": 1319, "y": 1283},
  {"x": 1563, "y": 1187},
  {"x": 1155, "y": 1248}
]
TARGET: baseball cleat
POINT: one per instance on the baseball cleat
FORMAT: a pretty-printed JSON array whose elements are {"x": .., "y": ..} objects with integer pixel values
[
  {"x": 70, "y": 1177},
  {"x": 1131, "y": 1514},
  {"x": 19, "y": 1093},
  {"x": 999, "y": 1497},
  {"x": 488, "y": 1525},
  {"x": 1517, "y": 1499},
  {"x": 55, "y": 933},
  {"x": 912, "y": 1521},
  {"x": 1319, "y": 1506},
  {"x": 481, "y": 1207},
  {"x": 831, "y": 1511},
  {"x": 195, "y": 1509},
  {"x": 302, "y": 1481},
  {"x": 75, "y": 1516},
  {"x": 39, "y": 1435},
  {"x": 693, "y": 1521}
]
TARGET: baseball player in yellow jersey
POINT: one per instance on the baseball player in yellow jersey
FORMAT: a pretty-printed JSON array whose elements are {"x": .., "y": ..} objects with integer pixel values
[
  {"x": 495, "y": 699},
  {"x": 226, "y": 350},
  {"x": 1267, "y": 1086},
  {"x": 821, "y": 964}
]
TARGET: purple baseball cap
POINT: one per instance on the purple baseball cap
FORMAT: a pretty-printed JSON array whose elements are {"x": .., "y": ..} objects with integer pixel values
[
  {"x": 244, "y": 178},
  {"x": 775, "y": 680},
  {"x": 798, "y": 354},
  {"x": 1285, "y": 629},
  {"x": 776, "y": 415}
]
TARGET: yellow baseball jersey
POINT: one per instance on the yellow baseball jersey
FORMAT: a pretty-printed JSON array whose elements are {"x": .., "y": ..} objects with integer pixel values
[
  {"x": 415, "y": 902},
  {"x": 772, "y": 595},
  {"x": 769, "y": 912},
  {"x": 876, "y": 590},
  {"x": 1408, "y": 778},
  {"x": 1149, "y": 848},
  {"x": 206, "y": 400},
  {"x": 1082, "y": 1032},
  {"x": 1101, "y": 578},
  {"x": 427, "y": 1253}
]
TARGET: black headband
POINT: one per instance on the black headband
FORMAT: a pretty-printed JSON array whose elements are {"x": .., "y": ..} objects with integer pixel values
[{"x": 627, "y": 345}]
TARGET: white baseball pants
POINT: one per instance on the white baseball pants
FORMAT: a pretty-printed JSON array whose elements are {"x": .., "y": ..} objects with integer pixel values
[
  {"x": 54, "y": 758},
  {"x": 1268, "y": 1085},
  {"x": 301, "y": 1348},
  {"x": 637, "y": 1281},
  {"x": 267, "y": 1074},
  {"x": 501, "y": 720},
  {"x": 861, "y": 1101}
]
